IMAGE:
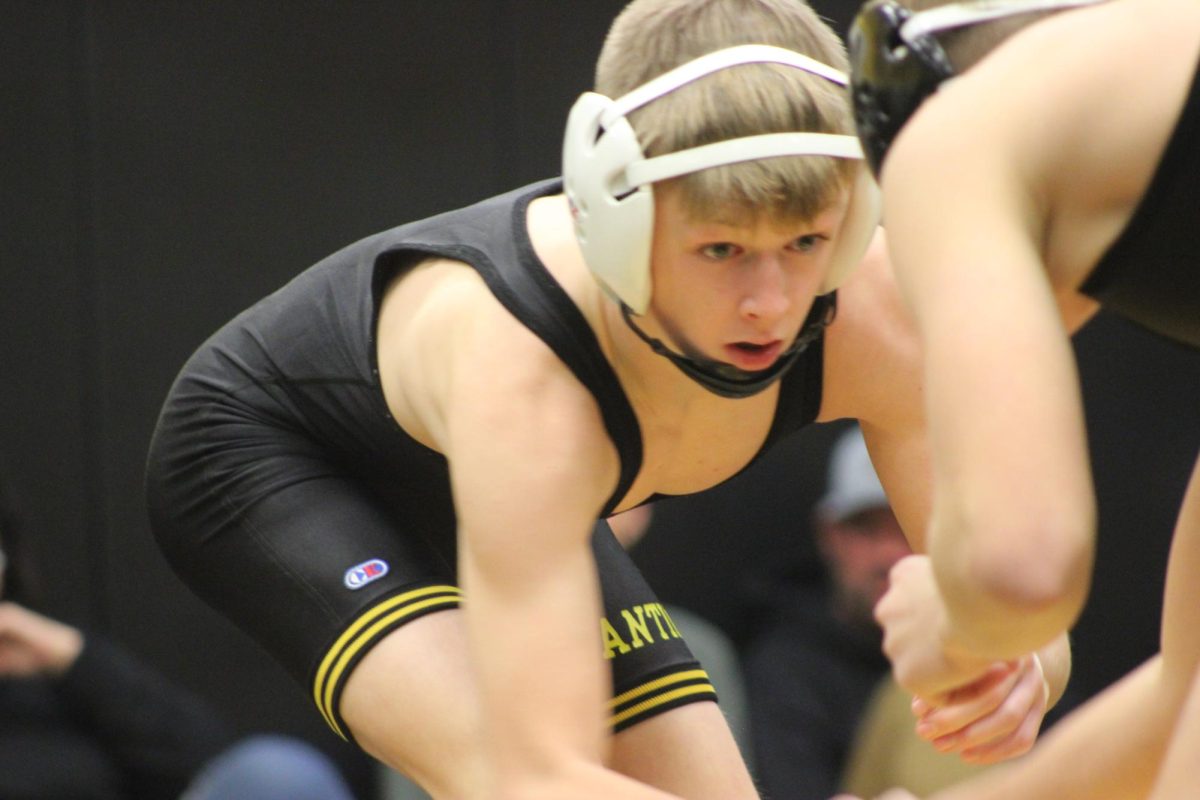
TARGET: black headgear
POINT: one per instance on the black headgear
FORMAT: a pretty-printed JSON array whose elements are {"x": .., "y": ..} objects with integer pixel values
[
  {"x": 896, "y": 61},
  {"x": 890, "y": 76}
]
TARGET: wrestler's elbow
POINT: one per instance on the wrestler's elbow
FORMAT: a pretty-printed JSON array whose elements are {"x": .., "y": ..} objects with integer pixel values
[{"x": 1040, "y": 572}]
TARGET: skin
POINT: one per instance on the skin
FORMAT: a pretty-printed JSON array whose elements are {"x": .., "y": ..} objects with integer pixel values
[
  {"x": 873, "y": 372},
  {"x": 1177, "y": 778},
  {"x": 31, "y": 644},
  {"x": 1030, "y": 208},
  {"x": 1115, "y": 746}
]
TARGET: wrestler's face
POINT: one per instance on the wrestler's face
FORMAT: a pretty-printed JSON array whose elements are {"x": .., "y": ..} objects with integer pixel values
[{"x": 736, "y": 291}]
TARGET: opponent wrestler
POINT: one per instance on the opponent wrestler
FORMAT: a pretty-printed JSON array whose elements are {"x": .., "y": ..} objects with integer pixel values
[
  {"x": 457, "y": 401},
  {"x": 1033, "y": 171}
]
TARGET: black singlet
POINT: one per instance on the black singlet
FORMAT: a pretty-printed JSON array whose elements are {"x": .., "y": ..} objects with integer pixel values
[
  {"x": 283, "y": 492},
  {"x": 1150, "y": 274}
]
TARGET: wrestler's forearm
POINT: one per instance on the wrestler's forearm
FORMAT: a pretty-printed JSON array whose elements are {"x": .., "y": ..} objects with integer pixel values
[{"x": 1109, "y": 749}]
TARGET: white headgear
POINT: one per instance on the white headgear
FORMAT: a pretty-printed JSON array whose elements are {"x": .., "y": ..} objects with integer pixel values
[{"x": 607, "y": 177}]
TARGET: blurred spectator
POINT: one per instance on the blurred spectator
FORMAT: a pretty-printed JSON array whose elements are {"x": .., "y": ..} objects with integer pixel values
[
  {"x": 82, "y": 718},
  {"x": 888, "y": 753},
  {"x": 815, "y": 661}
]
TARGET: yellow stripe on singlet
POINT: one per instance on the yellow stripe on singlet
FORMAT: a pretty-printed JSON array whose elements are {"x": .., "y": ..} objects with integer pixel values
[
  {"x": 661, "y": 699},
  {"x": 361, "y": 631},
  {"x": 650, "y": 687},
  {"x": 379, "y": 617}
]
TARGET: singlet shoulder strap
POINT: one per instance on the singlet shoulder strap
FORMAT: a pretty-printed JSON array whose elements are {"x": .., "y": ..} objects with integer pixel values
[
  {"x": 492, "y": 237},
  {"x": 799, "y": 394}
]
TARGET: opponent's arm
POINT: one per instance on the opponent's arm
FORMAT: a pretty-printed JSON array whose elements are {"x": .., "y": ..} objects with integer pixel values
[
  {"x": 1107, "y": 749},
  {"x": 1177, "y": 778},
  {"x": 531, "y": 466},
  {"x": 1111, "y": 748},
  {"x": 1013, "y": 520},
  {"x": 873, "y": 371},
  {"x": 991, "y": 716}
]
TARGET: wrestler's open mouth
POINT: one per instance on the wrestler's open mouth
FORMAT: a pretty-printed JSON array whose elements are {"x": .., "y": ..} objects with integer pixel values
[{"x": 753, "y": 355}]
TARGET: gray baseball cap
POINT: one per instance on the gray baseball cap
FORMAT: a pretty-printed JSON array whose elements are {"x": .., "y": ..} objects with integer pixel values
[{"x": 853, "y": 485}]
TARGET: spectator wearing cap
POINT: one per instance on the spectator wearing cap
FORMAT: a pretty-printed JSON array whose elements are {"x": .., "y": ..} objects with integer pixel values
[{"x": 812, "y": 667}]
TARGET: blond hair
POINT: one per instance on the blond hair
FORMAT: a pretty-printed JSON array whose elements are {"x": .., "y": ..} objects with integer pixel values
[{"x": 650, "y": 37}]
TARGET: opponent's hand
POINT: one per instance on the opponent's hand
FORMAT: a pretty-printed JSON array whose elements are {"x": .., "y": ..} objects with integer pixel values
[
  {"x": 890, "y": 794},
  {"x": 993, "y": 719},
  {"x": 913, "y": 617},
  {"x": 31, "y": 644}
]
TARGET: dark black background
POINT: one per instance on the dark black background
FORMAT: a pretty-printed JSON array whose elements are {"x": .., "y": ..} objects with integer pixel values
[{"x": 164, "y": 164}]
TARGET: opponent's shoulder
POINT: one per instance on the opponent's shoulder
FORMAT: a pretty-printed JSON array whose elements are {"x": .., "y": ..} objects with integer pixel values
[
  {"x": 1079, "y": 72},
  {"x": 1030, "y": 94}
]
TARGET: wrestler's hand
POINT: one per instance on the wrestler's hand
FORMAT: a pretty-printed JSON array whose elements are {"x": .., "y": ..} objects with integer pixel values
[
  {"x": 995, "y": 718},
  {"x": 890, "y": 794},
  {"x": 31, "y": 644},
  {"x": 986, "y": 711},
  {"x": 914, "y": 621}
]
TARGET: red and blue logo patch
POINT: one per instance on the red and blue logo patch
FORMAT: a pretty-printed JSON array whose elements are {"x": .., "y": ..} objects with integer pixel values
[{"x": 360, "y": 575}]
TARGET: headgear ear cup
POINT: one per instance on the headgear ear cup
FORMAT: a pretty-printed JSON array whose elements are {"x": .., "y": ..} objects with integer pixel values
[
  {"x": 614, "y": 225},
  {"x": 607, "y": 178},
  {"x": 858, "y": 228}
]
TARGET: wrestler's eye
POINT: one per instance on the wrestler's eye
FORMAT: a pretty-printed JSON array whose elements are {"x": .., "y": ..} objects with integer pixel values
[
  {"x": 720, "y": 251},
  {"x": 808, "y": 242}
]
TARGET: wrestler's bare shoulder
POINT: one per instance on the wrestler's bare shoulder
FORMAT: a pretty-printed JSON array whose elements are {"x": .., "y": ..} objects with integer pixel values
[{"x": 431, "y": 317}]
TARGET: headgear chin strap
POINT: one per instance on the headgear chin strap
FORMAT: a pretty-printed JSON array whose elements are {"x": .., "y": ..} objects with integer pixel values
[
  {"x": 897, "y": 62},
  {"x": 730, "y": 381},
  {"x": 608, "y": 179}
]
